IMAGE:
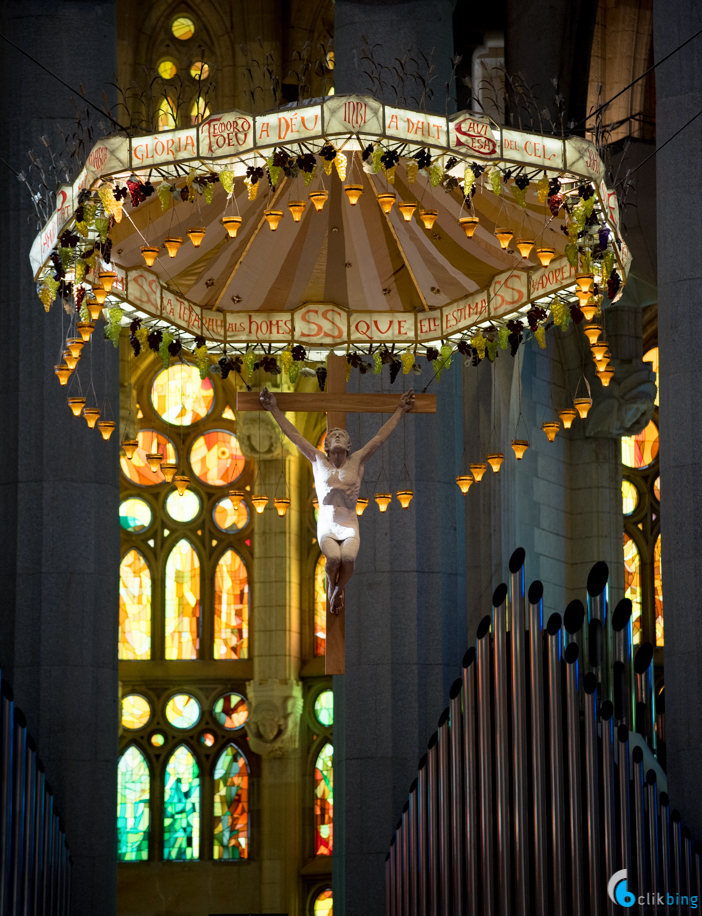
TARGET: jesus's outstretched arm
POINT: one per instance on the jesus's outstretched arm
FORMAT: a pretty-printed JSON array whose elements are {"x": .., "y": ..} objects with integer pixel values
[
  {"x": 370, "y": 448},
  {"x": 270, "y": 404}
]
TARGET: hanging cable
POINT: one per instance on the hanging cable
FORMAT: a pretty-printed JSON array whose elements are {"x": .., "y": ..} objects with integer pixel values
[{"x": 658, "y": 149}]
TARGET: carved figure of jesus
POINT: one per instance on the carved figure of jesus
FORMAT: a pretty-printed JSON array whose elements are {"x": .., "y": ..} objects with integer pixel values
[{"x": 337, "y": 480}]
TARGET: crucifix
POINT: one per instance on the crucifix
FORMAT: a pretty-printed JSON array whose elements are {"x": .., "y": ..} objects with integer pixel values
[{"x": 336, "y": 403}]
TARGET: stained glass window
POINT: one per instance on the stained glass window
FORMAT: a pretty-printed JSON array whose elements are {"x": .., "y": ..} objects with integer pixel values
[
  {"x": 157, "y": 739},
  {"x": 657, "y": 488},
  {"x": 199, "y": 70},
  {"x": 208, "y": 739},
  {"x": 658, "y": 590},
  {"x": 231, "y": 608},
  {"x": 632, "y": 584},
  {"x": 137, "y": 470},
  {"x": 216, "y": 458},
  {"x": 183, "y": 28},
  {"x": 133, "y": 790},
  {"x": 324, "y": 903},
  {"x": 134, "y": 608},
  {"x": 136, "y": 711},
  {"x": 183, "y": 508},
  {"x": 651, "y": 356},
  {"x": 231, "y": 806},
  {"x": 231, "y": 710},
  {"x": 167, "y": 69},
  {"x": 165, "y": 114},
  {"x": 135, "y": 515},
  {"x": 226, "y": 519},
  {"x": 640, "y": 450},
  {"x": 630, "y": 497},
  {"x": 180, "y": 396},
  {"x": 182, "y": 711},
  {"x": 324, "y": 801},
  {"x": 199, "y": 110},
  {"x": 181, "y": 807},
  {"x": 182, "y": 602},
  {"x": 320, "y": 607},
  {"x": 324, "y": 708}
]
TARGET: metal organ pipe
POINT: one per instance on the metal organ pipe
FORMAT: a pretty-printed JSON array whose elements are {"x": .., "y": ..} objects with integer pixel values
[
  {"x": 555, "y": 744},
  {"x": 538, "y": 753},
  {"x": 665, "y": 849},
  {"x": 423, "y": 837},
  {"x": 622, "y": 669},
  {"x": 624, "y": 802},
  {"x": 517, "y": 627},
  {"x": 574, "y": 788},
  {"x": 405, "y": 859},
  {"x": 470, "y": 772},
  {"x": 593, "y": 795},
  {"x": 485, "y": 745},
  {"x": 597, "y": 599},
  {"x": 6, "y": 757},
  {"x": 504, "y": 845},
  {"x": 30, "y": 781},
  {"x": 413, "y": 850},
  {"x": 18, "y": 809},
  {"x": 651, "y": 790},
  {"x": 639, "y": 822},
  {"x": 457, "y": 798},
  {"x": 444, "y": 766},
  {"x": 608, "y": 798},
  {"x": 645, "y": 694},
  {"x": 433, "y": 824}
]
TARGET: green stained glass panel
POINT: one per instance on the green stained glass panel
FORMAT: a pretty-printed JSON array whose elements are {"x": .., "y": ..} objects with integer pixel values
[
  {"x": 324, "y": 801},
  {"x": 132, "y": 807},
  {"x": 231, "y": 806},
  {"x": 135, "y": 515},
  {"x": 181, "y": 807},
  {"x": 324, "y": 708},
  {"x": 182, "y": 710},
  {"x": 231, "y": 710}
]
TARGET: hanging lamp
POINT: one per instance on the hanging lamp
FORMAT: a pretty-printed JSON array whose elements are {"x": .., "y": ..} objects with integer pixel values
[
  {"x": 75, "y": 345},
  {"x": 495, "y": 461},
  {"x": 592, "y": 332},
  {"x": 353, "y": 192},
  {"x": 76, "y": 405},
  {"x": 282, "y": 504},
  {"x": 520, "y": 446},
  {"x": 361, "y": 505},
  {"x": 598, "y": 351},
  {"x": 567, "y": 415},
  {"x": 605, "y": 375},
  {"x": 63, "y": 372},
  {"x": 504, "y": 236},
  {"x": 551, "y": 427},
  {"x": 386, "y": 200},
  {"x": 85, "y": 329},
  {"x": 70, "y": 360},
  {"x": 584, "y": 282},
  {"x": 91, "y": 415},
  {"x": 545, "y": 255},
  {"x": 405, "y": 497},
  {"x": 259, "y": 502},
  {"x": 168, "y": 469},
  {"x": 524, "y": 246},
  {"x": 582, "y": 405},
  {"x": 107, "y": 279},
  {"x": 149, "y": 254},
  {"x": 469, "y": 224},
  {"x": 181, "y": 482},
  {"x": 172, "y": 244},
  {"x": 464, "y": 482},
  {"x": 428, "y": 217},
  {"x": 100, "y": 294},
  {"x": 319, "y": 198},
  {"x": 297, "y": 208},
  {"x": 477, "y": 470},
  {"x": 95, "y": 310},
  {"x": 154, "y": 460},
  {"x": 196, "y": 234},
  {"x": 130, "y": 446},
  {"x": 406, "y": 209},
  {"x": 383, "y": 500},
  {"x": 232, "y": 224},
  {"x": 235, "y": 497},
  {"x": 106, "y": 427},
  {"x": 273, "y": 217},
  {"x": 589, "y": 308}
]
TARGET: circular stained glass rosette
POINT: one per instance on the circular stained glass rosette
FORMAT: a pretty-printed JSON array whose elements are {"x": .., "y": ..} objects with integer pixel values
[
  {"x": 228, "y": 520},
  {"x": 135, "y": 515},
  {"x": 641, "y": 450},
  {"x": 137, "y": 470},
  {"x": 136, "y": 711},
  {"x": 324, "y": 708},
  {"x": 183, "y": 508},
  {"x": 216, "y": 458},
  {"x": 182, "y": 711},
  {"x": 630, "y": 497},
  {"x": 183, "y": 28},
  {"x": 180, "y": 396},
  {"x": 158, "y": 740},
  {"x": 231, "y": 711},
  {"x": 657, "y": 489},
  {"x": 207, "y": 738}
]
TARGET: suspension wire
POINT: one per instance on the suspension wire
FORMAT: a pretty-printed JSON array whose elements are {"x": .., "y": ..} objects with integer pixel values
[{"x": 658, "y": 149}]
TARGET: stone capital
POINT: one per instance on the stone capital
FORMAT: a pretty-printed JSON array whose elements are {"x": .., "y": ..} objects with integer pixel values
[
  {"x": 625, "y": 407},
  {"x": 273, "y": 725}
]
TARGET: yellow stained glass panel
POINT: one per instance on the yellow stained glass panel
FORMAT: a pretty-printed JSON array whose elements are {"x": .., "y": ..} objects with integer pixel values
[
  {"x": 641, "y": 450},
  {"x": 137, "y": 470},
  {"x": 651, "y": 356},
  {"x": 165, "y": 114},
  {"x": 320, "y": 607},
  {"x": 324, "y": 903},
  {"x": 136, "y": 711},
  {"x": 180, "y": 396},
  {"x": 134, "y": 608},
  {"x": 182, "y": 602},
  {"x": 199, "y": 110},
  {"x": 226, "y": 519},
  {"x": 231, "y": 806},
  {"x": 216, "y": 458},
  {"x": 167, "y": 69},
  {"x": 630, "y": 497},
  {"x": 658, "y": 588},
  {"x": 632, "y": 584},
  {"x": 231, "y": 621},
  {"x": 183, "y": 28},
  {"x": 657, "y": 488}
]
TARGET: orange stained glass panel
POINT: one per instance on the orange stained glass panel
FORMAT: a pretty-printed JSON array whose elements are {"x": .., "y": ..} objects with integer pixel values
[
  {"x": 231, "y": 806},
  {"x": 134, "y": 608},
  {"x": 641, "y": 450},
  {"x": 632, "y": 584},
  {"x": 182, "y": 602},
  {"x": 651, "y": 356},
  {"x": 231, "y": 621},
  {"x": 216, "y": 458},
  {"x": 324, "y": 801},
  {"x": 658, "y": 589},
  {"x": 180, "y": 396},
  {"x": 137, "y": 470},
  {"x": 320, "y": 607},
  {"x": 324, "y": 903}
]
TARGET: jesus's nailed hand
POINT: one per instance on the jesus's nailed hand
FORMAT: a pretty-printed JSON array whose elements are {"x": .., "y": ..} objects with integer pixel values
[
  {"x": 267, "y": 399},
  {"x": 407, "y": 401}
]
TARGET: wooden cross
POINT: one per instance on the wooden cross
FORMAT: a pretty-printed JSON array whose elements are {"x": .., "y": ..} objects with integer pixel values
[{"x": 337, "y": 403}]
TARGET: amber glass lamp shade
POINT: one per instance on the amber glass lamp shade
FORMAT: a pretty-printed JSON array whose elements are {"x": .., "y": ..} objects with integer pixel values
[
  {"x": 259, "y": 502},
  {"x": 172, "y": 244},
  {"x": 149, "y": 254},
  {"x": 130, "y": 446},
  {"x": 406, "y": 209},
  {"x": 428, "y": 217},
  {"x": 231, "y": 224},
  {"x": 75, "y": 345},
  {"x": 282, "y": 504},
  {"x": 519, "y": 446},
  {"x": 91, "y": 414},
  {"x": 168, "y": 470},
  {"x": 551, "y": 427},
  {"x": 545, "y": 255},
  {"x": 100, "y": 295},
  {"x": 154, "y": 460},
  {"x": 196, "y": 234},
  {"x": 107, "y": 279},
  {"x": 273, "y": 217},
  {"x": 605, "y": 375},
  {"x": 495, "y": 461},
  {"x": 95, "y": 309},
  {"x": 319, "y": 198},
  {"x": 464, "y": 482},
  {"x": 405, "y": 497},
  {"x": 383, "y": 500},
  {"x": 504, "y": 237},
  {"x": 353, "y": 192},
  {"x": 181, "y": 482},
  {"x": 297, "y": 208},
  {"x": 592, "y": 332},
  {"x": 589, "y": 308},
  {"x": 63, "y": 372},
  {"x": 85, "y": 329},
  {"x": 584, "y": 282},
  {"x": 598, "y": 351},
  {"x": 69, "y": 360},
  {"x": 106, "y": 427},
  {"x": 524, "y": 246},
  {"x": 386, "y": 200},
  {"x": 477, "y": 470},
  {"x": 361, "y": 505},
  {"x": 76, "y": 405},
  {"x": 582, "y": 405},
  {"x": 469, "y": 224},
  {"x": 567, "y": 415},
  {"x": 236, "y": 497}
]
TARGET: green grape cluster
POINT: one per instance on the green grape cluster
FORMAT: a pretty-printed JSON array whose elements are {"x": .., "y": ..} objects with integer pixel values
[
  {"x": 540, "y": 335},
  {"x": 519, "y": 195},
  {"x": 378, "y": 363},
  {"x": 142, "y": 335},
  {"x": 65, "y": 254},
  {"x": 480, "y": 343},
  {"x": 308, "y": 176},
  {"x": 412, "y": 170},
  {"x": 286, "y": 359},
  {"x": 273, "y": 170},
  {"x": 494, "y": 176},
  {"x": 114, "y": 327},
  {"x": 201, "y": 360},
  {"x": 607, "y": 264},
  {"x": 543, "y": 189},
  {"x": 102, "y": 225},
  {"x": 294, "y": 372},
  {"x": 589, "y": 205},
  {"x": 561, "y": 313},
  {"x": 81, "y": 267},
  {"x": 377, "y": 156},
  {"x": 571, "y": 251},
  {"x": 249, "y": 360},
  {"x": 503, "y": 337},
  {"x": 226, "y": 179},
  {"x": 84, "y": 313},
  {"x": 436, "y": 173},
  {"x": 45, "y": 296},
  {"x": 491, "y": 350},
  {"x": 209, "y": 192},
  {"x": 407, "y": 362},
  {"x": 166, "y": 340},
  {"x": 446, "y": 354},
  {"x": 164, "y": 194},
  {"x": 468, "y": 180}
]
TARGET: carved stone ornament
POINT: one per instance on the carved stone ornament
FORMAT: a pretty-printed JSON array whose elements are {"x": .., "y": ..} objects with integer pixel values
[
  {"x": 273, "y": 725},
  {"x": 259, "y": 436},
  {"x": 626, "y": 406}
]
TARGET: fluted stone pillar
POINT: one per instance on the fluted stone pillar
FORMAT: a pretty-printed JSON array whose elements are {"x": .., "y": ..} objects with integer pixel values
[
  {"x": 59, "y": 528},
  {"x": 679, "y": 98}
]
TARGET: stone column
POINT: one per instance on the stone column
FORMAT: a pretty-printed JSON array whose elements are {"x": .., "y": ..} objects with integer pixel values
[
  {"x": 59, "y": 537},
  {"x": 405, "y": 631},
  {"x": 275, "y": 693},
  {"x": 679, "y": 98}
]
